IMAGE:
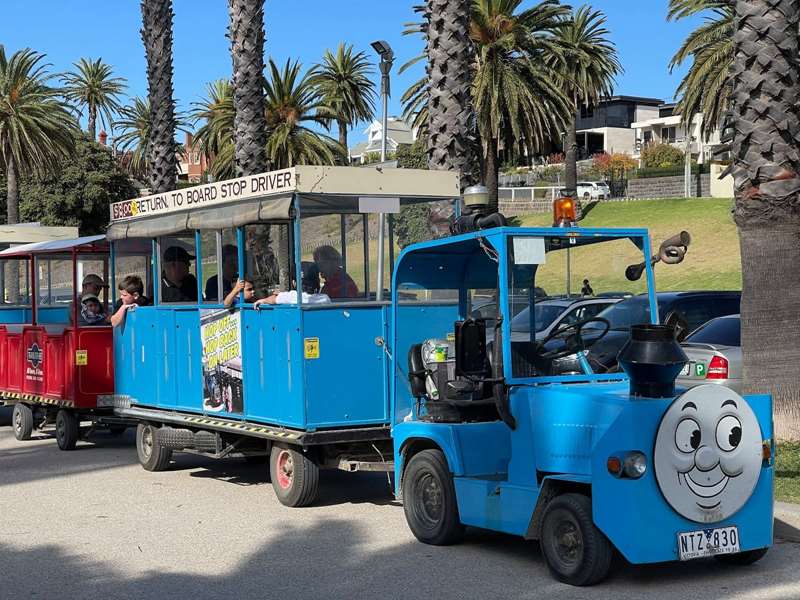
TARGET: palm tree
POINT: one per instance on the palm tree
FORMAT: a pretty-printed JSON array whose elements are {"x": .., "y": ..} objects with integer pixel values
[
  {"x": 157, "y": 37},
  {"x": 706, "y": 87},
  {"x": 293, "y": 101},
  {"x": 247, "y": 49},
  {"x": 765, "y": 85},
  {"x": 92, "y": 85},
  {"x": 37, "y": 127},
  {"x": 344, "y": 83},
  {"x": 215, "y": 136},
  {"x": 515, "y": 101},
  {"x": 587, "y": 63}
]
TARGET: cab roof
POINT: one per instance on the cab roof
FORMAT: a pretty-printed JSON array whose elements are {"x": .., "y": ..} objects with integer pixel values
[{"x": 91, "y": 243}]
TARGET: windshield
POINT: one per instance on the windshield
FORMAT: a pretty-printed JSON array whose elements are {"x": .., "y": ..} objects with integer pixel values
[
  {"x": 543, "y": 317},
  {"x": 726, "y": 331},
  {"x": 631, "y": 311}
]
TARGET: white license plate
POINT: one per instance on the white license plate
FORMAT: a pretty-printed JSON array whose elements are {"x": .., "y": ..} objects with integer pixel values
[{"x": 708, "y": 542}]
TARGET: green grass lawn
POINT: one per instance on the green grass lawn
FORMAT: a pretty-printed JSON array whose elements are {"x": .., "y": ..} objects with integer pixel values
[
  {"x": 713, "y": 260},
  {"x": 787, "y": 473}
]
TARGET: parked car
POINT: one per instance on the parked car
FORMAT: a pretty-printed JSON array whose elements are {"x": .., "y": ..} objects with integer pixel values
[
  {"x": 554, "y": 313},
  {"x": 684, "y": 311},
  {"x": 593, "y": 190},
  {"x": 486, "y": 307},
  {"x": 715, "y": 354}
]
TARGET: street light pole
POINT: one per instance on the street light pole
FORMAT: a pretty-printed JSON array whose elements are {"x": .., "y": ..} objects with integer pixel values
[{"x": 387, "y": 58}]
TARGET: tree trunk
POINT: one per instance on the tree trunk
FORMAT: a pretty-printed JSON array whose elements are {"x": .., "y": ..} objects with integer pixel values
[
  {"x": 12, "y": 201},
  {"x": 766, "y": 85},
  {"x": 571, "y": 159},
  {"x": 247, "y": 50},
  {"x": 490, "y": 173},
  {"x": 157, "y": 37},
  {"x": 452, "y": 137},
  {"x": 91, "y": 126},
  {"x": 343, "y": 137}
]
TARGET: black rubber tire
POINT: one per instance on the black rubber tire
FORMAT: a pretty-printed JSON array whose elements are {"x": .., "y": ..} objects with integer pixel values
[
  {"x": 117, "y": 429},
  {"x": 294, "y": 476},
  {"x": 67, "y": 429},
  {"x": 152, "y": 455},
  {"x": 571, "y": 515},
  {"x": 429, "y": 500},
  {"x": 22, "y": 421},
  {"x": 742, "y": 559}
]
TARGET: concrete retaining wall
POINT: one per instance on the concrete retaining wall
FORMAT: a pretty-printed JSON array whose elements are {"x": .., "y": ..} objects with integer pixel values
[{"x": 668, "y": 187}]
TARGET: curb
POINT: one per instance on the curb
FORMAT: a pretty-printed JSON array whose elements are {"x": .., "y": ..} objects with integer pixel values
[{"x": 787, "y": 521}]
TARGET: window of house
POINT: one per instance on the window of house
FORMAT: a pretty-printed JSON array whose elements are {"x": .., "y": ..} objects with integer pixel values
[{"x": 668, "y": 135}]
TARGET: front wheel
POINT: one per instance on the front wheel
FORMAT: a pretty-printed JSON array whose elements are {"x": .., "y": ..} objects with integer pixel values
[
  {"x": 67, "y": 429},
  {"x": 429, "y": 500},
  {"x": 152, "y": 455},
  {"x": 295, "y": 477},
  {"x": 22, "y": 420},
  {"x": 742, "y": 559},
  {"x": 575, "y": 550}
]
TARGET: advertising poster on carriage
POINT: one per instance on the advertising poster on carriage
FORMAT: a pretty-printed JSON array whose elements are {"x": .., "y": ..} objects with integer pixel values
[{"x": 220, "y": 333}]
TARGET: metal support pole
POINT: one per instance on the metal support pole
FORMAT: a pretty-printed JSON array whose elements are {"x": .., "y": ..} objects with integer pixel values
[
  {"x": 385, "y": 67},
  {"x": 365, "y": 219},
  {"x": 343, "y": 238}
]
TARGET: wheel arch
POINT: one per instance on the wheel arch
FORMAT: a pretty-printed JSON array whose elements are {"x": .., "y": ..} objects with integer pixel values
[
  {"x": 414, "y": 445},
  {"x": 552, "y": 487}
]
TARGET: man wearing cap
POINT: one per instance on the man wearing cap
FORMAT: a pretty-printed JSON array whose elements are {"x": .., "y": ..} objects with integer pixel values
[
  {"x": 177, "y": 283},
  {"x": 92, "y": 284}
]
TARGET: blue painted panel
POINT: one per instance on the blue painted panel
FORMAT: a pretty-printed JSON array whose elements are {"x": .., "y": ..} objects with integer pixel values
[
  {"x": 54, "y": 314},
  {"x": 272, "y": 366},
  {"x": 15, "y": 315},
  {"x": 136, "y": 360},
  {"x": 415, "y": 323},
  {"x": 495, "y": 505},
  {"x": 166, "y": 374},
  {"x": 345, "y": 385},
  {"x": 188, "y": 360}
]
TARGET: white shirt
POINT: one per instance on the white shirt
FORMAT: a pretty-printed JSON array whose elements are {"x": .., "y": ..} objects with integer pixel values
[{"x": 290, "y": 297}]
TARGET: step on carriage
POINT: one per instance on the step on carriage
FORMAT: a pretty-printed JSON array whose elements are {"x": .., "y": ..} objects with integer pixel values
[
  {"x": 303, "y": 383},
  {"x": 55, "y": 368}
]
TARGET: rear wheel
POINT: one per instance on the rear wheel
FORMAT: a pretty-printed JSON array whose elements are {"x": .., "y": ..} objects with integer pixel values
[
  {"x": 429, "y": 500},
  {"x": 742, "y": 559},
  {"x": 152, "y": 455},
  {"x": 67, "y": 429},
  {"x": 295, "y": 477},
  {"x": 22, "y": 420},
  {"x": 576, "y": 551}
]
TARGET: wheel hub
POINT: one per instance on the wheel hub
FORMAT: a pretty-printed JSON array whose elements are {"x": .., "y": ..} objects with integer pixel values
[
  {"x": 147, "y": 442},
  {"x": 568, "y": 542},
  {"x": 430, "y": 500},
  {"x": 285, "y": 469}
]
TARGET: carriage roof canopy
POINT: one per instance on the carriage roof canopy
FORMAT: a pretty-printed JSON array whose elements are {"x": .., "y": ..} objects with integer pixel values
[
  {"x": 268, "y": 197},
  {"x": 88, "y": 244}
]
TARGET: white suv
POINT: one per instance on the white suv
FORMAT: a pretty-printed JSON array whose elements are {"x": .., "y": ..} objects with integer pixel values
[{"x": 593, "y": 190}]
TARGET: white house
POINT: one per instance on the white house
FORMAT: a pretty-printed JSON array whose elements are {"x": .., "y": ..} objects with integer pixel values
[
  {"x": 606, "y": 126},
  {"x": 669, "y": 128},
  {"x": 400, "y": 132}
]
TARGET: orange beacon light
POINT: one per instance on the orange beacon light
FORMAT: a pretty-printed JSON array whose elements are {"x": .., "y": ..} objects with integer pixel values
[{"x": 564, "y": 214}]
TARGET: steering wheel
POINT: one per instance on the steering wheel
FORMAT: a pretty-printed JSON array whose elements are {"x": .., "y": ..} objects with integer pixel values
[{"x": 573, "y": 342}]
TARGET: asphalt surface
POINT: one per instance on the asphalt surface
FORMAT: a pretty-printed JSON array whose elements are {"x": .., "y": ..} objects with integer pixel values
[{"x": 93, "y": 524}]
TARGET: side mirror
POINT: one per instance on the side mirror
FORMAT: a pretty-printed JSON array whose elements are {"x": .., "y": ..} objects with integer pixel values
[{"x": 471, "y": 358}]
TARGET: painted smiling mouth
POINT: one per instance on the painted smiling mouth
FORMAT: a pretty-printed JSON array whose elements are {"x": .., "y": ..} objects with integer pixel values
[{"x": 706, "y": 491}]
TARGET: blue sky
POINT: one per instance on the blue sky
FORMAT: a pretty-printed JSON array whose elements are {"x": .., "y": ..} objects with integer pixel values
[{"x": 300, "y": 29}]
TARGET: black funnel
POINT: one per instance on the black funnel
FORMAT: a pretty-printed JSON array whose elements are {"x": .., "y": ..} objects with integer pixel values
[{"x": 652, "y": 359}]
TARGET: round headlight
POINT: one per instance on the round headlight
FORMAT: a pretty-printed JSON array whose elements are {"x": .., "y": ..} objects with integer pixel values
[{"x": 634, "y": 465}]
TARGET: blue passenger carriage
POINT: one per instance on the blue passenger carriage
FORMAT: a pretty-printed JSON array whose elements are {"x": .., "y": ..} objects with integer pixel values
[{"x": 260, "y": 322}]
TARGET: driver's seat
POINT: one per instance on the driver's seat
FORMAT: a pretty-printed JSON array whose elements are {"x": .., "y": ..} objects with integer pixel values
[{"x": 523, "y": 359}]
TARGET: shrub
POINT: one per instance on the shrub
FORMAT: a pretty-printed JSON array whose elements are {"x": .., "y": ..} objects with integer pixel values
[{"x": 657, "y": 156}]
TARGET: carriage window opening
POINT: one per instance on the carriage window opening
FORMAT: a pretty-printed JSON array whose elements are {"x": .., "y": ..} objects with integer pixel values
[
  {"x": 178, "y": 269},
  {"x": 54, "y": 281},
  {"x": 93, "y": 279},
  {"x": 15, "y": 282},
  {"x": 268, "y": 258},
  {"x": 210, "y": 264},
  {"x": 133, "y": 259},
  {"x": 334, "y": 257}
]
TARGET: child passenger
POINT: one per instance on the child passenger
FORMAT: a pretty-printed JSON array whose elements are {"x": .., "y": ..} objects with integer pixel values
[
  {"x": 92, "y": 312},
  {"x": 131, "y": 295},
  {"x": 241, "y": 285}
]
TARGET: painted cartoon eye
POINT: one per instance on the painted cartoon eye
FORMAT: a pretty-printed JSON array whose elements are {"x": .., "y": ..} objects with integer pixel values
[
  {"x": 687, "y": 436},
  {"x": 729, "y": 433}
]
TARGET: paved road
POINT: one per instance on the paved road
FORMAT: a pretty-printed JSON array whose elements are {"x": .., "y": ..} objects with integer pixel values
[{"x": 93, "y": 524}]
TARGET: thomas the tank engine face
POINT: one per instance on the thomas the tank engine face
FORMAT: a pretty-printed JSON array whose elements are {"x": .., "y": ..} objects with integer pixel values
[{"x": 708, "y": 453}]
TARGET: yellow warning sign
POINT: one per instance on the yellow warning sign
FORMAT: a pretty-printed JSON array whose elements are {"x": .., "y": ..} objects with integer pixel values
[
  {"x": 312, "y": 347},
  {"x": 81, "y": 358}
]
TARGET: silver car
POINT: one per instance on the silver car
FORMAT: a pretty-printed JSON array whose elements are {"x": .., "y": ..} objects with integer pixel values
[
  {"x": 554, "y": 313},
  {"x": 715, "y": 354}
]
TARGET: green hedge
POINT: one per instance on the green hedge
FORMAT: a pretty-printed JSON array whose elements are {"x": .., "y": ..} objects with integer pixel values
[{"x": 667, "y": 171}]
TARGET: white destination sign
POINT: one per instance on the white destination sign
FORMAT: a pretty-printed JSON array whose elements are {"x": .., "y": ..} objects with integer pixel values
[{"x": 209, "y": 194}]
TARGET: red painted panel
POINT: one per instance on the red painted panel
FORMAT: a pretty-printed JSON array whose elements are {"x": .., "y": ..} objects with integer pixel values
[
  {"x": 54, "y": 366},
  {"x": 16, "y": 361},
  {"x": 34, "y": 360},
  {"x": 3, "y": 358},
  {"x": 96, "y": 377}
]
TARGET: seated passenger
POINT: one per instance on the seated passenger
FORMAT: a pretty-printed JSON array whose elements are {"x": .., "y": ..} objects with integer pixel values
[
  {"x": 230, "y": 267},
  {"x": 92, "y": 312},
  {"x": 338, "y": 284},
  {"x": 92, "y": 284},
  {"x": 131, "y": 295},
  {"x": 177, "y": 284},
  {"x": 242, "y": 285},
  {"x": 311, "y": 293}
]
